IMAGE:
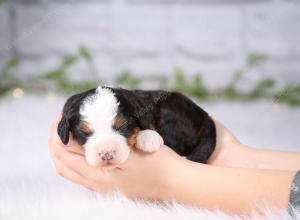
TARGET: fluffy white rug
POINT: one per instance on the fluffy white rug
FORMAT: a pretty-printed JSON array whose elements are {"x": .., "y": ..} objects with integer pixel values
[{"x": 30, "y": 189}]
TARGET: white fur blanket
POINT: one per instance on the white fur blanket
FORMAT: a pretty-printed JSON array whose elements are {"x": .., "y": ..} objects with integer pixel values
[{"x": 30, "y": 188}]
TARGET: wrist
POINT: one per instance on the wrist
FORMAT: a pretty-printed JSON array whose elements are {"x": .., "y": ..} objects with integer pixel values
[
  {"x": 175, "y": 175},
  {"x": 160, "y": 181},
  {"x": 226, "y": 155},
  {"x": 189, "y": 183},
  {"x": 246, "y": 157},
  {"x": 180, "y": 179},
  {"x": 235, "y": 155}
]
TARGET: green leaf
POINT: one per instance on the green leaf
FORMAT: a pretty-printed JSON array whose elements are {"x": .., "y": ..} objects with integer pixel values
[
  {"x": 290, "y": 95},
  {"x": 180, "y": 84},
  {"x": 237, "y": 76},
  {"x": 262, "y": 88},
  {"x": 12, "y": 63},
  {"x": 68, "y": 61},
  {"x": 179, "y": 76},
  {"x": 264, "y": 85},
  {"x": 122, "y": 78},
  {"x": 255, "y": 59},
  {"x": 84, "y": 53},
  {"x": 2, "y": 2},
  {"x": 198, "y": 89},
  {"x": 230, "y": 93},
  {"x": 56, "y": 75},
  {"x": 6, "y": 72},
  {"x": 126, "y": 79}
]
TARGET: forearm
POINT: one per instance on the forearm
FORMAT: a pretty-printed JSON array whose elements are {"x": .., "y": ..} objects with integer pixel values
[
  {"x": 238, "y": 155},
  {"x": 277, "y": 160},
  {"x": 231, "y": 153},
  {"x": 249, "y": 157},
  {"x": 233, "y": 190}
]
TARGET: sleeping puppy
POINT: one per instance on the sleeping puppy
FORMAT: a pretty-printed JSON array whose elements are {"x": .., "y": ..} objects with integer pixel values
[{"x": 107, "y": 122}]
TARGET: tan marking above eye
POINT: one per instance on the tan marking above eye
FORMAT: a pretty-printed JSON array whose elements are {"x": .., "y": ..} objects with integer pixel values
[
  {"x": 119, "y": 122},
  {"x": 85, "y": 128}
]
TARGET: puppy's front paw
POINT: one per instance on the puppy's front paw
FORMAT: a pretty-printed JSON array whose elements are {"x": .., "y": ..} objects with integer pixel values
[{"x": 149, "y": 141}]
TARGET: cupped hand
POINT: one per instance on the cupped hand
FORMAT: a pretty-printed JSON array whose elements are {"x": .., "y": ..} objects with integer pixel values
[
  {"x": 149, "y": 175},
  {"x": 142, "y": 175},
  {"x": 227, "y": 148}
]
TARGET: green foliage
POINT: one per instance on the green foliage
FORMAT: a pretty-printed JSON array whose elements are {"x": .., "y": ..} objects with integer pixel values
[
  {"x": 12, "y": 63},
  {"x": 262, "y": 88},
  {"x": 289, "y": 95},
  {"x": 56, "y": 80},
  {"x": 60, "y": 76},
  {"x": 255, "y": 59},
  {"x": 2, "y": 2},
  {"x": 193, "y": 87},
  {"x": 9, "y": 65},
  {"x": 128, "y": 80},
  {"x": 9, "y": 80},
  {"x": 181, "y": 84},
  {"x": 59, "y": 80},
  {"x": 84, "y": 53},
  {"x": 87, "y": 57},
  {"x": 229, "y": 93}
]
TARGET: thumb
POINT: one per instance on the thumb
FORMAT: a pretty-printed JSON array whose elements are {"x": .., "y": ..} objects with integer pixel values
[{"x": 73, "y": 146}]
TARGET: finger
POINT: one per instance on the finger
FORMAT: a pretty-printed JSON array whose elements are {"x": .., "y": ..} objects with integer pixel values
[
  {"x": 90, "y": 176},
  {"x": 53, "y": 132},
  {"x": 78, "y": 164},
  {"x": 55, "y": 123},
  {"x": 69, "y": 174},
  {"x": 75, "y": 171},
  {"x": 76, "y": 150},
  {"x": 64, "y": 171},
  {"x": 58, "y": 150},
  {"x": 74, "y": 147},
  {"x": 75, "y": 162}
]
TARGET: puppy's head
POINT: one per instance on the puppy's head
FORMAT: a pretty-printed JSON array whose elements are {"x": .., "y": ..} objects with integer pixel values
[{"x": 100, "y": 125}]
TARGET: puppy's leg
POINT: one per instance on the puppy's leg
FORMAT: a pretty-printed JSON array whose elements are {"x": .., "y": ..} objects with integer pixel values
[{"x": 149, "y": 141}]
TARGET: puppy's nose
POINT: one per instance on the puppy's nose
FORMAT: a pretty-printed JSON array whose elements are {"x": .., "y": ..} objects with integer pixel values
[{"x": 107, "y": 155}]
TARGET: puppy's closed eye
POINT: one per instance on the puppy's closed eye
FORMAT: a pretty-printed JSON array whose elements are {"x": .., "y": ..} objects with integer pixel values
[
  {"x": 119, "y": 122},
  {"x": 85, "y": 128}
]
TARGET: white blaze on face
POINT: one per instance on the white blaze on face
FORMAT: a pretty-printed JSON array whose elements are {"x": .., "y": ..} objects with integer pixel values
[{"x": 105, "y": 145}]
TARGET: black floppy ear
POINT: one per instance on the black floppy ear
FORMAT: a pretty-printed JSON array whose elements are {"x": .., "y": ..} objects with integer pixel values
[{"x": 63, "y": 130}]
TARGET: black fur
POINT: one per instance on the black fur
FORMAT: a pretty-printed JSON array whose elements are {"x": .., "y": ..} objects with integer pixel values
[
  {"x": 183, "y": 125},
  {"x": 71, "y": 118}
]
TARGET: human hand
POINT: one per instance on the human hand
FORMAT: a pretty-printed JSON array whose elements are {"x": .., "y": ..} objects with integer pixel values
[
  {"x": 142, "y": 175},
  {"x": 164, "y": 175},
  {"x": 227, "y": 147}
]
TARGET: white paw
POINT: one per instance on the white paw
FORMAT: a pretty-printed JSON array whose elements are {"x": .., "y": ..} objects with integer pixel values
[{"x": 149, "y": 141}]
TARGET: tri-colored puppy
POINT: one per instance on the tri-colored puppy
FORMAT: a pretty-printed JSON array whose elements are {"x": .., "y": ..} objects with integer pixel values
[{"x": 108, "y": 121}]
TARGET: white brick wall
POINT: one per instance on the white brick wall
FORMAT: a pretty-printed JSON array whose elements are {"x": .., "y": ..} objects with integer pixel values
[
  {"x": 64, "y": 27},
  {"x": 210, "y": 37},
  {"x": 4, "y": 31}
]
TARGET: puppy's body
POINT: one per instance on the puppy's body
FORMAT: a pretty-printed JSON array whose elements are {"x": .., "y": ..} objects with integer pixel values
[{"x": 136, "y": 114}]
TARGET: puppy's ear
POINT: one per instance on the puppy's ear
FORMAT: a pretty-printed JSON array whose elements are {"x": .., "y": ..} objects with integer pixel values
[{"x": 63, "y": 130}]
